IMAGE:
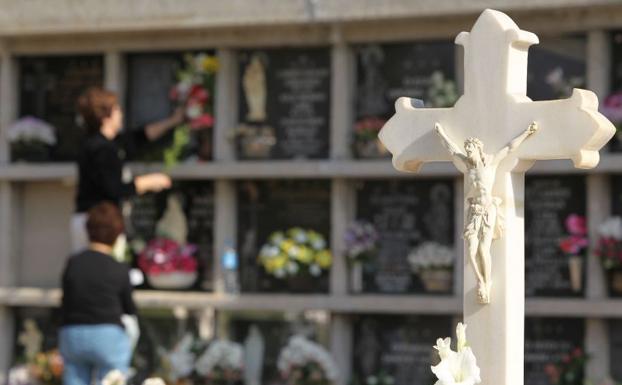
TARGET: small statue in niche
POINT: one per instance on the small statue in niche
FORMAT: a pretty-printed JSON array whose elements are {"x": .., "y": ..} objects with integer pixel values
[
  {"x": 254, "y": 83},
  {"x": 484, "y": 220},
  {"x": 31, "y": 339}
]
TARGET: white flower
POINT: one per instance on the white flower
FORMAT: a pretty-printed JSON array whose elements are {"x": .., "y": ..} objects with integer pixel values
[
  {"x": 292, "y": 268},
  {"x": 220, "y": 354},
  {"x": 456, "y": 367},
  {"x": 31, "y": 129},
  {"x": 300, "y": 351},
  {"x": 154, "y": 381},
  {"x": 114, "y": 377},
  {"x": 181, "y": 358},
  {"x": 20, "y": 375},
  {"x": 611, "y": 228},
  {"x": 315, "y": 270},
  {"x": 431, "y": 255}
]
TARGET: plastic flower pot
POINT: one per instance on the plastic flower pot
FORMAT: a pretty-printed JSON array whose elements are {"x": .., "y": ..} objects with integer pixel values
[
  {"x": 436, "y": 280},
  {"x": 173, "y": 280}
]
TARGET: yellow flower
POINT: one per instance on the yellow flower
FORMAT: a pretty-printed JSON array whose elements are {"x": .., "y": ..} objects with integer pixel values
[
  {"x": 210, "y": 64},
  {"x": 324, "y": 259},
  {"x": 287, "y": 245},
  {"x": 304, "y": 255}
]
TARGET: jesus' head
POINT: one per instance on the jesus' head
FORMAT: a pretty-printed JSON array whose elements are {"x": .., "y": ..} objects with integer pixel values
[{"x": 474, "y": 148}]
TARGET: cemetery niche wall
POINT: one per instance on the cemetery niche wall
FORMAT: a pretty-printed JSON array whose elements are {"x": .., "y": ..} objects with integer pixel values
[
  {"x": 422, "y": 70},
  {"x": 160, "y": 83},
  {"x": 415, "y": 251},
  {"x": 284, "y": 104},
  {"x": 284, "y": 235},
  {"x": 49, "y": 86}
]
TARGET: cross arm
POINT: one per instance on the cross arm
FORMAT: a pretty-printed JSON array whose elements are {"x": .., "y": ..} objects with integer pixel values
[
  {"x": 410, "y": 135},
  {"x": 568, "y": 129}
]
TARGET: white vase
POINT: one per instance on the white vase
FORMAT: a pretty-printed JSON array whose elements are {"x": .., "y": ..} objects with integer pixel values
[
  {"x": 172, "y": 280},
  {"x": 356, "y": 277},
  {"x": 575, "y": 266}
]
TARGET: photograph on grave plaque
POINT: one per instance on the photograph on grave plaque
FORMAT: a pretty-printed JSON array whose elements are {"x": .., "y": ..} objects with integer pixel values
[
  {"x": 555, "y": 236},
  {"x": 284, "y": 104},
  {"x": 423, "y": 70},
  {"x": 415, "y": 226},
  {"x": 283, "y": 235},
  {"x": 556, "y": 66},
  {"x": 171, "y": 236},
  {"x": 554, "y": 351},
  {"x": 397, "y": 346},
  {"x": 47, "y": 129},
  {"x": 158, "y": 86}
]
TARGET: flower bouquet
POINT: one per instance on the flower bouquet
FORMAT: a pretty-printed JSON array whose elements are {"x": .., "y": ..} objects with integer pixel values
[
  {"x": 222, "y": 363},
  {"x": 303, "y": 362},
  {"x": 360, "y": 239},
  {"x": 433, "y": 263},
  {"x": 570, "y": 370},
  {"x": 573, "y": 246},
  {"x": 609, "y": 250},
  {"x": 168, "y": 265},
  {"x": 194, "y": 90},
  {"x": 31, "y": 140},
  {"x": 294, "y": 254},
  {"x": 366, "y": 143},
  {"x": 48, "y": 367}
]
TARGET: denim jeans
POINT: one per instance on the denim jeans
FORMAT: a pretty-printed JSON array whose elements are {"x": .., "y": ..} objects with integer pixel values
[{"x": 91, "y": 351}]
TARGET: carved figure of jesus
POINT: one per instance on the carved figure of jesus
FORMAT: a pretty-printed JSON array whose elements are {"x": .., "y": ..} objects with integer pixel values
[
  {"x": 254, "y": 83},
  {"x": 484, "y": 221}
]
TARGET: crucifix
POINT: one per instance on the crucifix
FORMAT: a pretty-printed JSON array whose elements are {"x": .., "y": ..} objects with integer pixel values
[{"x": 493, "y": 135}]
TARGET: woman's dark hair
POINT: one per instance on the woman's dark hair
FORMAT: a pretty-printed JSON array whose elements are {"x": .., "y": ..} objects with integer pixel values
[
  {"x": 94, "y": 105},
  {"x": 104, "y": 223}
]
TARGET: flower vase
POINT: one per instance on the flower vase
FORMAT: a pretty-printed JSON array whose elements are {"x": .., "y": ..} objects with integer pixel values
[
  {"x": 257, "y": 146},
  {"x": 370, "y": 149},
  {"x": 436, "y": 280},
  {"x": 614, "y": 282},
  {"x": 356, "y": 277},
  {"x": 575, "y": 267},
  {"x": 30, "y": 151},
  {"x": 174, "y": 280}
]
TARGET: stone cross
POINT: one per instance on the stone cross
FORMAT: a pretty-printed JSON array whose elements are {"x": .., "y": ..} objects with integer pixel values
[{"x": 493, "y": 134}]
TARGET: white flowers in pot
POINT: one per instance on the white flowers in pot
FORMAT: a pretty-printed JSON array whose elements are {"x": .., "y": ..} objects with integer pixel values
[
  {"x": 433, "y": 263},
  {"x": 306, "y": 362},
  {"x": 456, "y": 367},
  {"x": 222, "y": 362}
]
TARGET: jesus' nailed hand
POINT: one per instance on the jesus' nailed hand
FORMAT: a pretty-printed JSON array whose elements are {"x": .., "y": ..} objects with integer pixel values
[{"x": 484, "y": 218}]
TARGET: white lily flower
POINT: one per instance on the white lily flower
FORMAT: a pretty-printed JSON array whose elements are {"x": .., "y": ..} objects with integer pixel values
[
  {"x": 154, "y": 381},
  {"x": 456, "y": 367}
]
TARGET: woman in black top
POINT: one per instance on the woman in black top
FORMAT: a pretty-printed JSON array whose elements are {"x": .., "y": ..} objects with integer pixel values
[
  {"x": 101, "y": 161},
  {"x": 96, "y": 293}
]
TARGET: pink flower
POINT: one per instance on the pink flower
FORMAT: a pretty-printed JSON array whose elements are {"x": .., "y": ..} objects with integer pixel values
[
  {"x": 198, "y": 94},
  {"x": 203, "y": 121},
  {"x": 612, "y": 107},
  {"x": 575, "y": 224}
]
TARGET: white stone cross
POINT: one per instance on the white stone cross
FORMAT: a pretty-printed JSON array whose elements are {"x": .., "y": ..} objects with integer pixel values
[{"x": 493, "y": 134}]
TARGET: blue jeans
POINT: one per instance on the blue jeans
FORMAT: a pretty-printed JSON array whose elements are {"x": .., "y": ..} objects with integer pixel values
[{"x": 91, "y": 351}]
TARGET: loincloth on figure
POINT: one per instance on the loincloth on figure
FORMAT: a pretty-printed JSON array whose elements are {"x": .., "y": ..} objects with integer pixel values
[{"x": 480, "y": 221}]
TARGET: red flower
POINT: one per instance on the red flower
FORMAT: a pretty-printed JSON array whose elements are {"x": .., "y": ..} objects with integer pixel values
[
  {"x": 198, "y": 94},
  {"x": 164, "y": 256}
]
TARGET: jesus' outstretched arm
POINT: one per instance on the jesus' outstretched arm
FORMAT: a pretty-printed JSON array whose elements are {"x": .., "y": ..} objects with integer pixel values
[
  {"x": 516, "y": 142},
  {"x": 449, "y": 145}
]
